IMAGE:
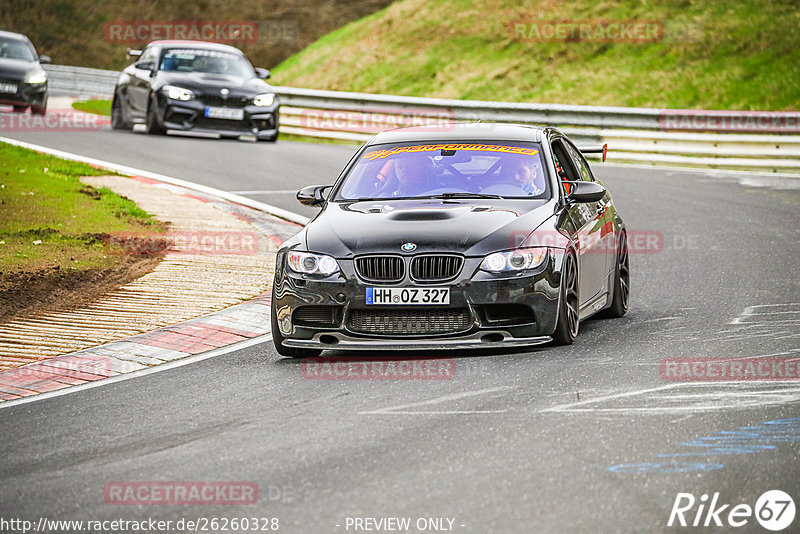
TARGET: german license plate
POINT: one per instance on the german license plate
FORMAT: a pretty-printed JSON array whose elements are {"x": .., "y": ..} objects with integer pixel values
[
  {"x": 10, "y": 88},
  {"x": 408, "y": 295},
  {"x": 224, "y": 113}
]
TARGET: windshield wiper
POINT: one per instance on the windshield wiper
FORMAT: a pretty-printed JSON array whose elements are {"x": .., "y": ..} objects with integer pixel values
[{"x": 463, "y": 195}]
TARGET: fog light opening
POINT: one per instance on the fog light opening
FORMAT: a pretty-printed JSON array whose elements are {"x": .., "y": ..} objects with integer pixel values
[
  {"x": 494, "y": 337},
  {"x": 328, "y": 340}
]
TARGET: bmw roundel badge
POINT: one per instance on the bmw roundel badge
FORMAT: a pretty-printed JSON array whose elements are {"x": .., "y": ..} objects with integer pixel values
[{"x": 409, "y": 247}]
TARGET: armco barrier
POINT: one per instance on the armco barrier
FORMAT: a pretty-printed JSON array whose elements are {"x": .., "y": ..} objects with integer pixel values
[{"x": 633, "y": 134}]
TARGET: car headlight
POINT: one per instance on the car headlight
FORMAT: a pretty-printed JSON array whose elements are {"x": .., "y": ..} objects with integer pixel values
[
  {"x": 36, "y": 76},
  {"x": 178, "y": 93},
  {"x": 308, "y": 263},
  {"x": 267, "y": 99},
  {"x": 514, "y": 260}
]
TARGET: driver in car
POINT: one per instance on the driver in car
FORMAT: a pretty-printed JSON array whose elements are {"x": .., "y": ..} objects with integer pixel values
[{"x": 526, "y": 176}]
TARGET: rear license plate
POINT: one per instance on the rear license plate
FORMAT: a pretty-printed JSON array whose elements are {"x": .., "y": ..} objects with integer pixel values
[
  {"x": 10, "y": 88},
  {"x": 225, "y": 113},
  {"x": 408, "y": 295}
]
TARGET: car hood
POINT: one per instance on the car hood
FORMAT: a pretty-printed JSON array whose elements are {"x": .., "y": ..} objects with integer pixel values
[
  {"x": 206, "y": 82},
  {"x": 15, "y": 69},
  {"x": 472, "y": 228}
]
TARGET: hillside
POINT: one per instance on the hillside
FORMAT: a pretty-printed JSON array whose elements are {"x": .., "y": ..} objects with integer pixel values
[
  {"x": 74, "y": 32},
  {"x": 742, "y": 55}
]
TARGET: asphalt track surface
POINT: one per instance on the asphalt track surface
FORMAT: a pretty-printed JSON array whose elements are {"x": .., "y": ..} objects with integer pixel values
[{"x": 586, "y": 438}]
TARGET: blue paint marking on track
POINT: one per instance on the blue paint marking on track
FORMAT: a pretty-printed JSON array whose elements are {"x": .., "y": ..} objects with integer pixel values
[{"x": 744, "y": 440}]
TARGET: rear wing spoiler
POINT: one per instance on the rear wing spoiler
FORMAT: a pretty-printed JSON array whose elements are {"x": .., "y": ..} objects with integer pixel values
[
  {"x": 134, "y": 53},
  {"x": 595, "y": 150}
]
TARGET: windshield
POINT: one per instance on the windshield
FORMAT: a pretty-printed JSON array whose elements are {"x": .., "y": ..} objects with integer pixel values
[
  {"x": 416, "y": 170},
  {"x": 16, "y": 49},
  {"x": 209, "y": 61}
]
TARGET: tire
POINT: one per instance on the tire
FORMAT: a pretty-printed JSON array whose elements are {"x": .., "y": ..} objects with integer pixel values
[
  {"x": 20, "y": 109},
  {"x": 152, "y": 126},
  {"x": 622, "y": 282},
  {"x": 40, "y": 110},
  {"x": 277, "y": 339},
  {"x": 568, "y": 320},
  {"x": 118, "y": 121}
]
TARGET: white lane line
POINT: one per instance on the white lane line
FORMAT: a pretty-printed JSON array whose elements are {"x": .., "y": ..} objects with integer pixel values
[
  {"x": 687, "y": 399},
  {"x": 570, "y": 406},
  {"x": 124, "y": 169},
  {"x": 143, "y": 372},
  {"x": 401, "y": 410}
]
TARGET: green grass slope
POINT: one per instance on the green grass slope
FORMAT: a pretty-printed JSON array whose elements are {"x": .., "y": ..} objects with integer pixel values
[{"x": 742, "y": 55}]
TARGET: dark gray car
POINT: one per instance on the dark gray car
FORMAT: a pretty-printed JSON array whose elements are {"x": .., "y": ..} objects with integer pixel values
[
  {"x": 195, "y": 86},
  {"x": 23, "y": 81}
]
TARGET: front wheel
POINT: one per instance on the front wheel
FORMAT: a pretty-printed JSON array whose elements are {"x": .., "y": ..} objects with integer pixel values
[
  {"x": 568, "y": 322},
  {"x": 20, "y": 109},
  {"x": 270, "y": 139},
  {"x": 40, "y": 110},
  {"x": 152, "y": 125},
  {"x": 118, "y": 121},
  {"x": 277, "y": 339}
]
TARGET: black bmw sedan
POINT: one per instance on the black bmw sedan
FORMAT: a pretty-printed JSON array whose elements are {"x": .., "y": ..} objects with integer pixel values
[
  {"x": 455, "y": 236},
  {"x": 195, "y": 86},
  {"x": 23, "y": 81}
]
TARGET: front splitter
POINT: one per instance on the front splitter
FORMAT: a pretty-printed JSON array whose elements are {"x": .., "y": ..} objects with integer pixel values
[{"x": 484, "y": 339}]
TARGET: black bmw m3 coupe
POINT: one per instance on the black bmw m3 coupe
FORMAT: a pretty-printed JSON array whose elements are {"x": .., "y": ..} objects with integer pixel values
[
  {"x": 195, "y": 86},
  {"x": 458, "y": 236}
]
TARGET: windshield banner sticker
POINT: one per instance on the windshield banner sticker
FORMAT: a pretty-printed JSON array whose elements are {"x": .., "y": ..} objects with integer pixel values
[{"x": 381, "y": 154}]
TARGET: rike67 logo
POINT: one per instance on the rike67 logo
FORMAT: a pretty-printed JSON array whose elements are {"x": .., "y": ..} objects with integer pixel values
[{"x": 774, "y": 511}]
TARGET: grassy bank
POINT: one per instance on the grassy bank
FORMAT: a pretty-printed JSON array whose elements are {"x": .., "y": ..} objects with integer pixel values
[
  {"x": 54, "y": 229},
  {"x": 98, "y": 107},
  {"x": 711, "y": 55}
]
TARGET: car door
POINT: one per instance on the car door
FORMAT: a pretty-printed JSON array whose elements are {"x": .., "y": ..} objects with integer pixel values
[
  {"x": 591, "y": 257},
  {"x": 140, "y": 80},
  {"x": 604, "y": 220}
]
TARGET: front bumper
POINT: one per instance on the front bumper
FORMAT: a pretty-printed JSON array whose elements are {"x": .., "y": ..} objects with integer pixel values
[
  {"x": 498, "y": 310},
  {"x": 28, "y": 94},
  {"x": 189, "y": 116}
]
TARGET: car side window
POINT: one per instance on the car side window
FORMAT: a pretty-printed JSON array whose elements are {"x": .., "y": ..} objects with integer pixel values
[
  {"x": 580, "y": 163},
  {"x": 565, "y": 167}
]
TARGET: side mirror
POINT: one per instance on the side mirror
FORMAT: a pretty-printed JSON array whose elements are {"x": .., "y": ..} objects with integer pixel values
[
  {"x": 584, "y": 192},
  {"x": 312, "y": 195},
  {"x": 264, "y": 74},
  {"x": 145, "y": 65},
  {"x": 44, "y": 60}
]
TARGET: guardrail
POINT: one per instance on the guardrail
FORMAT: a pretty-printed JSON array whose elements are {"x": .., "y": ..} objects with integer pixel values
[{"x": 640, "y": 135}]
